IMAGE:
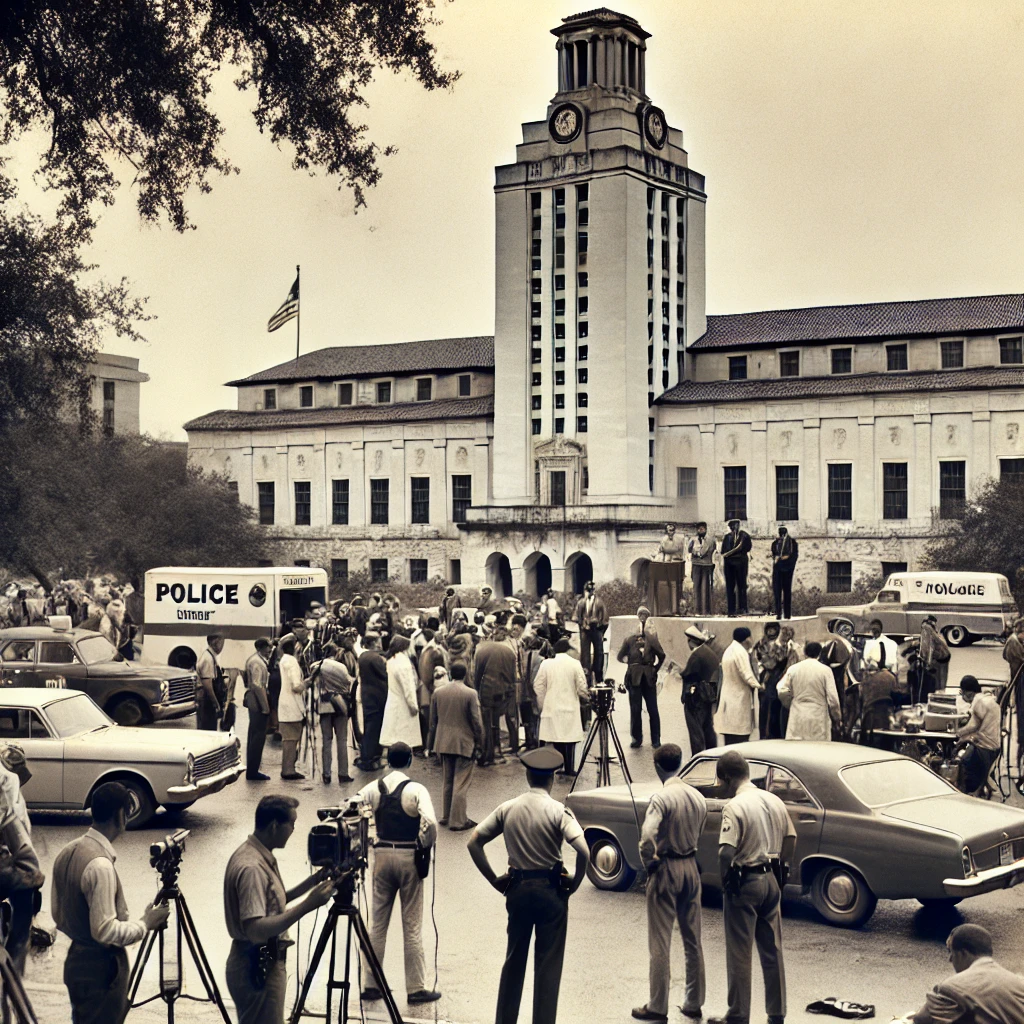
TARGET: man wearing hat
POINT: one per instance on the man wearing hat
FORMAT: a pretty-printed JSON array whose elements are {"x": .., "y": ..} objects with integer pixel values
[
  {"x": 735, "y": 558},
  {"x": 784, "y": 556},
  {"x": 982, "y": 732},
  {"x": 702, "y": 568},
  {"x": 536, "y": 886},
  {"x": 592, "y": 617},
  {"x": 643, "y": 654},
  {"x": 701, "y": 674}
]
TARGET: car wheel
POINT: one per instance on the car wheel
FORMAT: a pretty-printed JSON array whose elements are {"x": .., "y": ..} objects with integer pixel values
[
  {"x": 128, "y": 711},
  {"x": 182, "y": 657},
  {"x": 608, "y": 868},
  {"x": 957, "y": 636},
  {"x": 142, "y": 806},
  {"x": 842, "y": 896},
  {"x": 940, "y": 902}
]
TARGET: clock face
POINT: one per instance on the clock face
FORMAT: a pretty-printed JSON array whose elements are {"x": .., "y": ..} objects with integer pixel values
[
  {"x": 655, "y": 128},
  {"x": 565, "y": 123}
]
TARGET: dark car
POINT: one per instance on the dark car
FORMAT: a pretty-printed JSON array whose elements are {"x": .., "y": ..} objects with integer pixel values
[
  {"x": 870, "y": 825},
  {"x": 83, "y": 659}
]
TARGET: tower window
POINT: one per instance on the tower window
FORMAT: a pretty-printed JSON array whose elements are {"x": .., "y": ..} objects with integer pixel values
[
  {"x": 582, "y": 193},
  {"x": 535, "y": 401},
  {"x": 559, "y": 378},
  {"x": 581, "y": 424},
  {"x": 559, "y": 282},
  {"x": 536, "y": 223},
  {"x": 535, "y": 355},
  {"x": 582, "y": 329},
  {"x": 559, "y": 330},
  {"x": 535, "y": 332},
  {"x": 534, "y": 200},
  {"x": 559, "y": 401},
  {"x": 581, "y": 242},
  {"x": 535, "y": 310},
  {"x": 581, "y": 376},
  {"x": 559, "y": 221},
  {"x": 559, "y": 197},
  {"x": 559, "y": 307},
  {"x": 581, "y": 279},
  {"x": 560, "y": 425},
  {"x": 583, "y": 216},
  {"x": 535, "y": 286},
  {"x": 535, "y": 248},
  {"x": 582, "y": 351},
  {"x": 536, "y": 380},
  {"x": 559, "y": 355},
  {"x": 581, "y": 399},
  {"x": 535, "y": 427},
  {"x": 584, "y": 304}
]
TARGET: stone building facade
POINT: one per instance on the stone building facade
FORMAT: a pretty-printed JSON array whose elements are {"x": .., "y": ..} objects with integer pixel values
[
  {"x": 608, "y": 403},
  {"x": 116, "y": 392}
]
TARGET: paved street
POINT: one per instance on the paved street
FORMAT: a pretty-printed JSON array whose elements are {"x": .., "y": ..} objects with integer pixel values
[{"x": 890, "y": 962}]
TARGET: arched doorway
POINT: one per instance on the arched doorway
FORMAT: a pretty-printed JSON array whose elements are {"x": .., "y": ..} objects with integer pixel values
[
  {"x": 581, "y": 571},
  {"x": 638, "y": 573},
  {"x": 499, "y": 574},
  {"x": 538, "y": 573}
]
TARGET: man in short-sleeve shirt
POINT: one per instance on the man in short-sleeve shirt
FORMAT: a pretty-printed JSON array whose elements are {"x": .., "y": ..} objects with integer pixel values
[{"x": 535, "y": 887}]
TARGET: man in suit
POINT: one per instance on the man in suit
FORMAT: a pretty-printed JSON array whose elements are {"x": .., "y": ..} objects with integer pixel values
[
  {"x": 456, "y": 733},
  {"x": 643, "y": 654},
  {"x": 784, "y": 556},
  {"x": 449, "y": 603},
  {"x": 736, "y": 546},
  {"x": 592, "y": 618},
  {"x": 373, "y": 688},
  {"x": 494, "y": 679},
  {"x": 431, "y": 657}
]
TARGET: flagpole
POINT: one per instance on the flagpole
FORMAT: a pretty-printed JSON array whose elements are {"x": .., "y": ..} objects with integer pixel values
[{"x": 298, "y": 312}]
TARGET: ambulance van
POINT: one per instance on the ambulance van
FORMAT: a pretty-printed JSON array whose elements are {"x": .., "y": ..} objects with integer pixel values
[{"x": 185, "y": 605}]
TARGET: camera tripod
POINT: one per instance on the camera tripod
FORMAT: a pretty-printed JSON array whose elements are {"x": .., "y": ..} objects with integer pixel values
[
  {"x": 343, "y": 905},
  {"x": 170, "y": 988},
  {"x": 14, "y": 997},
  {"x": 603, "y": 729}
]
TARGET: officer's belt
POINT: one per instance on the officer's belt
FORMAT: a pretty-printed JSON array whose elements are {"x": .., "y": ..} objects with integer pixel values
[
  {"x": 395, "y": 846},
  {"x": 753, "y": 869},
  {"x": 672, "y": 855}
]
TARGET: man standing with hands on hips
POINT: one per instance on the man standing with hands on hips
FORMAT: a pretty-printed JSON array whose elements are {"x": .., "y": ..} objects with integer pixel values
[
  {"x": 592, "y": 618},
  {"x": 736, "y": 546},
  {"x": 536, "y": 886}
]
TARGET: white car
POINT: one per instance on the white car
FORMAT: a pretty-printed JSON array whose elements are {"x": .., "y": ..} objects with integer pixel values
[{"x": 72, "y": 747}]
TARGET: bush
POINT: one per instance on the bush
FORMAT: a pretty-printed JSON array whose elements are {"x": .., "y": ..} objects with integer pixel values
[
  {"x": 620, "y": 597},
  {"x": 411, "y": 595}
]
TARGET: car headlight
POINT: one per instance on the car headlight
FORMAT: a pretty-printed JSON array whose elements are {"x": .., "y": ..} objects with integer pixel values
[
  {"x": 968, "y": 861},
  {"x": 190, "y": 770},
  {"x": 165, "y": 691}
]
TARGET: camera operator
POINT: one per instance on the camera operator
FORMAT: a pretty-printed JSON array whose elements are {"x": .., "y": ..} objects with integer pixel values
[
  {"x": 88, "y": 905},
  {"x": 258, "y": 916},
  {"x": 405, "y": 825}
]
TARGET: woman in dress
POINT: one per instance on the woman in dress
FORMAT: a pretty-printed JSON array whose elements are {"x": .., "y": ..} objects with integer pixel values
[{"x": 402, "y": 710}]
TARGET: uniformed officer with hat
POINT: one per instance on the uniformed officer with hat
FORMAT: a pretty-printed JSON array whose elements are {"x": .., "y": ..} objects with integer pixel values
[{"x": 536, "y": 886}]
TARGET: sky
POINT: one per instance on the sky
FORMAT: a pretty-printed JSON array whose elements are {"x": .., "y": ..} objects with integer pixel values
[{"x": 855, "y": 151}]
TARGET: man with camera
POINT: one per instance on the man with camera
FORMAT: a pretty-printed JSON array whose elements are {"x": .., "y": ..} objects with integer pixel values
[
  {"x": 756, "y": 843},
  {"x": 88, "y": 905},
  {"x": 406, "y": 830},
  {"x": 536, "y": 886},
  {"x": 258, "y": 916}
]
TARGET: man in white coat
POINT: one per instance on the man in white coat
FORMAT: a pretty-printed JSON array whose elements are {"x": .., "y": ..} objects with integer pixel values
[
  {"x": 560, "y": 686},
  {"x": 736, "y": 717},
  {"x": 808, "y": 689}
]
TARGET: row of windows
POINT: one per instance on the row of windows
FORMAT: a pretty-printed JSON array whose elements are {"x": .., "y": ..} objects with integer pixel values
[
  {"x": 380, "y": 495},
  {"x": 380, "y": 570},
  {"x": 582, "y": 351},
  {"x": 582, "y": 375},
  {"x": 383, "y": 391},
  {"x": 581, "y": 401},
  {"x": 581, "y": 423},
  {"x": 951, "y": 353},
  {"x": 536, "y": 283}
]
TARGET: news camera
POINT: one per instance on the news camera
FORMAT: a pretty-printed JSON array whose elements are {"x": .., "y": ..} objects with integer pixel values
[
  {"x": 341, "y": 841},
  {"x": 166, "y": 856}
]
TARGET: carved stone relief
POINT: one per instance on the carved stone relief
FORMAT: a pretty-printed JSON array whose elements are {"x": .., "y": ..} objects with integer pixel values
[
  {"x": 895, "y": 435},
  {"x": 378, "y": 460},
  {"x": 420, "y": 456},
  {"x": 1012, "y": 430},
  {"x": 461, "y": 455},
  {"x": 839, "y": 436}
]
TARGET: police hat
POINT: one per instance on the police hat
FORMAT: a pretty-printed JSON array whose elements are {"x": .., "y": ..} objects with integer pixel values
[{"x": 542, "y": 759}]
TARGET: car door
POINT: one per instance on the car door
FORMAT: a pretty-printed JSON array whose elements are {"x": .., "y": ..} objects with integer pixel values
[
  {"x": 57, "y": 665},
  {"x": 807, "y": 814},
  {"x": 18, "y": 663},
  {"x": 44, "y": 754}
]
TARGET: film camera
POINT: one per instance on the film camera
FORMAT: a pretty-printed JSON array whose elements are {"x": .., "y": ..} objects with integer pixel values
[
  {"x": 166, "y": 856},
  {"x": 602, "y": 700},
  {"x": 342, "y": 839}
]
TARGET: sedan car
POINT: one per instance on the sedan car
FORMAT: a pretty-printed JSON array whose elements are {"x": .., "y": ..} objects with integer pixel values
[
  {"x": 71, "y": 747},
  {"x": 870, "y": 825},
  {"x": 82, "y": 659}
]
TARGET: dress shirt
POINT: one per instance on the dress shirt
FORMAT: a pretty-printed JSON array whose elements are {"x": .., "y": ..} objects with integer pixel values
[
  {"x": 756, "y": 823},
  {"x": 108, "y": 915},
  {"x": 675, "y": 819},
  {"x": 257, "y": 679},
  {"x": 534, "y": 826},
  {"x": 415, "y": 802}
]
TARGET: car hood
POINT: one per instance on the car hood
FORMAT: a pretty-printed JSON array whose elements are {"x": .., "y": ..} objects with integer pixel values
[
  {"x": 972, "y": 819},
  {"x": 117, "y": 741},
  {"x": 132, "y": 669}
]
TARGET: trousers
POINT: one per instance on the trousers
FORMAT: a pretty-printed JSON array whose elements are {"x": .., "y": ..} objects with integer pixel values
[
  {"x": 592, "y": 652},
  {"x": 754, "y": 916},
  {"x": 206, "y": 714},
  {"x": 512, "y": 723},
  {"x": 394, "y": 874},
  {"x": 372, "y": 722},
  {"x": 640, "y": 694},
  {"x": 977, "y": 765},
  {"x": 335, "y": 726},
  {"x": 673, "y": 894},
  {"x": 97, "y": 982},
  {"x": 255, "y": 1005},
  {"x": 700, "y": 725},
  {"x": 770, "y": 716},
  {"x": 256, "y": 738},
  {"x": 456, "y": 775},
  {"x": 736, "y": 585},
  {"x": 492, "y": 733},
  {"x": 531, "y": 723},
  {"x": 782, "y": 591},
  {"x": 703, "y": 587},
  {"x": 534, "y": 906}
]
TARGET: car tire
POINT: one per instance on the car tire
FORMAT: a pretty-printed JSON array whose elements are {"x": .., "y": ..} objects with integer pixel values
[
  {"x": 958, "y": 636},
  {"x": 842, "y": 897},
  {"x": 128, "y": 711},
  {"x": 607, "y": 868},
  {"x": 940, "y": 902}
]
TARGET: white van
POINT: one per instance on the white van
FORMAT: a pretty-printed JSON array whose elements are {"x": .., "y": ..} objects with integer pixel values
[
  {"x": 967, "y": 605},
  {"x": 184, "y": 605}
]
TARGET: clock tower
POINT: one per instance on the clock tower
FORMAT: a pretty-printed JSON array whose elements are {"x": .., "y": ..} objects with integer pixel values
[{"x": 599, "y": 278}]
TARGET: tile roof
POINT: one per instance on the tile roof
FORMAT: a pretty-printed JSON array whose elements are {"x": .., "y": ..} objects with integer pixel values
[
  {"x": 343, "y": 361},
  {"x": 871, "y": 320},
  {"x": 692, "y": 392},
  {"x": 443, "y": 409}
]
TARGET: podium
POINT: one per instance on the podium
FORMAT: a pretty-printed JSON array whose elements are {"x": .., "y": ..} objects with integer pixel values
[{"x": 665, "y": 587}]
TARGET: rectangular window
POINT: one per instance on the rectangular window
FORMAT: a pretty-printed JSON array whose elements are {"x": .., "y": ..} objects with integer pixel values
[
  {"x": 952, "y": 353},
  {"x": 537, "y": 380},
  {"x": 384, "y": 392},
  {"x": 888, "y": 568},
  {"x": 559, "y": 221},
  {"x": 559, "y": 307},
  {"x": 581, "y": 424},
  {"x": 378, "y": 570},
  {"x": 462, "y": 496},
  {"x": 465, "y": 385},
  {"x": 581, "y": 243},
  {"x": 306, "y": 396},
  {"x": 379, "y": 500},
  {"x": 581, "y": 399},
  {"x": 842, "y": 360},
  {"x": 686, "y": 477},
  {"x": 535, "y": 264},
  {"x": 339, "y": 502},
  {"x": 581, "y": 279},
  {"x": 556, "y": 479},
  {"x": 894, "y": 490},
  {"x": 560, "y": 425},
  {"x": 1011, "y": 351},
  {"x": 840, "y": 577},
  {"x": 535, "y": 252},
  {"x": 534, "y": 200},
  {"x": 266, "y": 503},
  {"x": 535, "y": 427},
  {"x": 560, "y": 251},
  {"x": 584, "y": 304},
  {"x": 559, "y": 378},
  {"x": 840, "y": 490},
  {"x": 737, "y": 367},
  {"x": 535, "y": 402},
  {"x": 735, "y": 492},
  {"x": 582, "y": 192},
  {"x": 302, "y": 502},
  {"x": 233, "y": 488},
  {"x": 339, "y": 568},
  {"x": 420, "y": 499},
  {"x": 582, "y": 329},
  {"x": 455, "y": 571},
  {"x": 535, "y": 355},
  {"x": 108, "y": 408},
  {"x": 581, "y": 376},
  {"x": 559, "y": 331},
  {"x": 424, "y": 387},
  {"x": 559, "y": 401},
  {"x": 559, "y": 197},
  {"x": 536, "y": 222},
  {"x": 559, "y": 282},
  {"x": 789, "y": 364},
  {"x": 952, "y": 489},
  {"x": 535, "y": 309},
  {"x": 345, "y": 394},
  {"x": 270, "y": 398},
  {"x": 896, "y": 358},
  {"x": 417, "y": 570},
  {"x": 787, "y": 492},
  {"x": 301, "y": 562},
  {"x": 1011, "y": 470},
  {"x": 582, "y": 351},
  {"x": 559, "y": 355}
]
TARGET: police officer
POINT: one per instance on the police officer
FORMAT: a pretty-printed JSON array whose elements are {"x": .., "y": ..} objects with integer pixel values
[
  {"x": 755, "y": 844},
  {"x": 536, "y": 886}
]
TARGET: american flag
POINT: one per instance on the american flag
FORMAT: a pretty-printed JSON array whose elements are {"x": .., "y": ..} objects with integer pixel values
[{"x": 288, "y": 310}]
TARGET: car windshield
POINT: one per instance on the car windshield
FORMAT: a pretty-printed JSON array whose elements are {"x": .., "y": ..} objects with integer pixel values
[
  {"x": 76, "y": 715},
  {"x": 888, "y": 782},
  {"x": 94, "y": 650}
]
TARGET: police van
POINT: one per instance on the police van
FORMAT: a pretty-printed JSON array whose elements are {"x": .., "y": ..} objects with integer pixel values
[
  {"x": 185, "y": 605},
  {"x": 967, "y": 605}
]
